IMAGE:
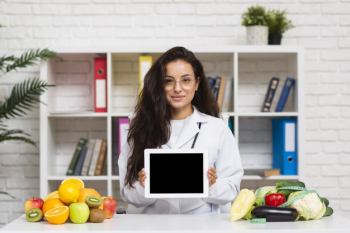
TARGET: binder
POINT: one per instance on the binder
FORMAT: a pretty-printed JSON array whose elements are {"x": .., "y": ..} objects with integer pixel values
[
  {"x": 101, "y": 158},
  {"x": 284, "y": 140},
  {"x": 277, "y": 95},
  {"x": 270, "y": 94},
  {"x": 227, "y": 95},
  {"x": 80, "y": 162},
  {"x": 145, "y": 63},
  {"x": 95, "y": 156},
  {"x": 221, "y": 92},
  {"x": 123, "y": 126},
  {"x": 211, "y": 82},
  {"x": 73, "y": 162},
  {"x": 100, "y": 85},
  {"x": 288, "y": 84},
  {"x": 90, "y": 145},
  {"x": 216, "y": 88}
]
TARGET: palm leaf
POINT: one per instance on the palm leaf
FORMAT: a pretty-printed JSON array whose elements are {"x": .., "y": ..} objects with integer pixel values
[
  {"x": 2, "y": 192},
  {"x": 30, "y": 58},
  {"x": 23, "y": 96},
  {"x": 17, "y": 138},
  {"x": 4, "y": 61}
]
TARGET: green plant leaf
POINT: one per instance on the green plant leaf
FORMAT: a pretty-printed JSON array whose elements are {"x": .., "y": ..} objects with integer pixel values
[
  {"x": 277, "y": 22},
  {"x": 23, "y": 96},
  {"x": 30, "y": 58},
  {"x": 255, "y": 15},
  {"x": 5, "y": 193}
]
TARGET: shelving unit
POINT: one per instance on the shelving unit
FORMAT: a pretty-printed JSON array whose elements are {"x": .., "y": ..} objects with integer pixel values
[{"x": 251, "y": 66}]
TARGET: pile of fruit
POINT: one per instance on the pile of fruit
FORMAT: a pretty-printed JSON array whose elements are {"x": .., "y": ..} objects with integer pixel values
[
  {"x": 72, "y": 200},
  {"x": 287, "y": 201}
]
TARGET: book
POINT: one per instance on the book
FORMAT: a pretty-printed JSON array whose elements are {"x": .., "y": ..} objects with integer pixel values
[
  {"x": 79, "y": 166},
  {"x": 145, "y": 63},
  {"x": 90, "y": 146},
  {"x": 100, "y": 87},
  {"x": 94, "y": 158},
  {"x": 75, "y": 157},
  {"x": 269, "y": 94},
  {"x": 101, "y": 158},
  {"x": 226, "y": 102},
  {"x": 277, "y": 95},
  {"x": 216, "y": 88},
  {"x": 262, "y": 172},
  {"x": 284, "y": 154},
  {"x": 211, "y": 82},
  {"x": 123, "y": 126},
  {"x": 221, "y": 92},
  {"x": 288, "y": 84}
]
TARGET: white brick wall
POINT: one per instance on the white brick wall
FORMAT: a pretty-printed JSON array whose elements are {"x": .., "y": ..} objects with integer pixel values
[{"x": 323, "y": 28}]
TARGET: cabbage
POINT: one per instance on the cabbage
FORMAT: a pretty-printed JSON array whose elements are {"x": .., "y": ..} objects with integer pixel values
[{"x": 261, "y": 194}]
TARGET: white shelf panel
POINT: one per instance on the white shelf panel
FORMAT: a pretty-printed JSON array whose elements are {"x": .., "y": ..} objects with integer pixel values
[
  {"x": 55, "y": 178},
  {"x": 268, "y": 114},
  {"x": 78, "y": 115},
  {"x": 115, "y": 178},
  {"x": 161, "y": 49},
  {"x": 271, "y": 177}
]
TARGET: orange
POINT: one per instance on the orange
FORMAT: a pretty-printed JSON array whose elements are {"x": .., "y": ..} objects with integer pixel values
[
  {"x": 68, "y": 193},
  {"x": 78, "y": 182},
  {"x": 57, "y": 215},
  {"x": 52, "y": 203},
  {"x": 87, "y": 192}
]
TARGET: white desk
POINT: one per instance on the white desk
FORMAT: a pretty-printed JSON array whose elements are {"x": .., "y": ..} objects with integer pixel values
[{"x": 217, "y": 223}]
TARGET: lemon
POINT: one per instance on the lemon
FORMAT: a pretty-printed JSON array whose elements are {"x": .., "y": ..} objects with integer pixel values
[
  {"x": 68, "y": 193},
  {"x": 78, "y": 182}
]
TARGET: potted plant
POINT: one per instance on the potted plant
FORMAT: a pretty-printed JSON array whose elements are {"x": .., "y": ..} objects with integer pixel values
[
  {"x": 24, "y": 95},
  {"x": 255, "y": 19},
  {"x": 278, "y": 24}
]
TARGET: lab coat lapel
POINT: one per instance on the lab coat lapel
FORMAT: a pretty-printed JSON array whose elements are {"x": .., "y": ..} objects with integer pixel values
[{"x": 190, "y": 128}]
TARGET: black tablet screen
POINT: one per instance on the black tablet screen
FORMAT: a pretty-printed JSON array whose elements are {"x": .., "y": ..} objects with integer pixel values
[{"x": 176, "y": 173}]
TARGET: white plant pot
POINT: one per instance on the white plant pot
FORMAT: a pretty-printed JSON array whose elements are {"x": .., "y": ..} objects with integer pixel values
[{"x": 257, "y": 35}]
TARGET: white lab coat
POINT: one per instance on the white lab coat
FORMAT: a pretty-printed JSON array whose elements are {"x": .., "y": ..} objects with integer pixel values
[{"x": 215, "y": 136}]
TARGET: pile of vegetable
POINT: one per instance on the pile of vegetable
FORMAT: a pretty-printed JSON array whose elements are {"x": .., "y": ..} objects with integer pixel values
[{"x": 287, "y": 201}]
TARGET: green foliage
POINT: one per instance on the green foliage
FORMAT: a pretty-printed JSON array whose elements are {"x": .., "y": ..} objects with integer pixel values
[
  {"x": 255, "y": 15},
  {"x": 277, "y": 22},
  {"x": 2, "y": 192},
  {"x": 24, "y": 94}
]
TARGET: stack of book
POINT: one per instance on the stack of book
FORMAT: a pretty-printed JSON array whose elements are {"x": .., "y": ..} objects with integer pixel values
[
  {"x": 277, "y": 94},
  {"x": 88, "y": 158},
  {"x": 221, "y": 88}
]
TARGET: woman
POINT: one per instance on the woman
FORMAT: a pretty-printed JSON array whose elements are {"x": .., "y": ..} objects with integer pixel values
[{"x": 175, "y": 101}]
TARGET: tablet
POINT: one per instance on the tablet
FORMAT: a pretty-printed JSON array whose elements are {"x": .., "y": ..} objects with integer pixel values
[{"x": 176, "y": 173}]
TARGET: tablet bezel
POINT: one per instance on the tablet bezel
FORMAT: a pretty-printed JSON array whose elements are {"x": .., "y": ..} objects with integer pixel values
[{"x": 176, "y": 195}]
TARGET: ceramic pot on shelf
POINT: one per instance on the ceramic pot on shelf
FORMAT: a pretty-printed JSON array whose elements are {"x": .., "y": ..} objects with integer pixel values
[
  {"x": 275, "y": 39},
  {"x": 257, "y": 35}
]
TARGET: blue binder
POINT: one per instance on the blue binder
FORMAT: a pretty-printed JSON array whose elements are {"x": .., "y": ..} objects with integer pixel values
[
  {"x": 288, "y": 84},
  {"x": 284, "y": 146}
]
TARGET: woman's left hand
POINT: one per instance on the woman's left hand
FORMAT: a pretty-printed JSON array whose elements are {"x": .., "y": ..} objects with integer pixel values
[{"x": 212, "y": 176}]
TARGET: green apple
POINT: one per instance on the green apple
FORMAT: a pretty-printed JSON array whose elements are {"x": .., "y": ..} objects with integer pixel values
[{"x": 79, "y": 212}]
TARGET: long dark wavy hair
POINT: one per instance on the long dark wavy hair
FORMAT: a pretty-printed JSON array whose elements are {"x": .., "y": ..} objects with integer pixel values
[{"x": 150, "y": 127}]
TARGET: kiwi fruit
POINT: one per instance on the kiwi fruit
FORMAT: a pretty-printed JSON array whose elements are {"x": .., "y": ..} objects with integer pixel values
[
  {"x": 97, "y": 215},
  {"x": 93, "y": 201},
  {"x": 34, "y": 215}
]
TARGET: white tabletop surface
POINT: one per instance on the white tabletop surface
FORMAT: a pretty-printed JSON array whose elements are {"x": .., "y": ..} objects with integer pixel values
[{"x": 182, "y": 223}]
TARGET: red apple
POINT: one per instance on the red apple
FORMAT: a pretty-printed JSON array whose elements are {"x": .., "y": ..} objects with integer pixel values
[
  {"x": 109, "y": 206},
  {"x": 35, "y": 202}
]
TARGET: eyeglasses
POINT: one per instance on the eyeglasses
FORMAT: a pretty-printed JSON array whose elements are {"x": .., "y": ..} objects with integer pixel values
[{"x": 186, "y": 83}]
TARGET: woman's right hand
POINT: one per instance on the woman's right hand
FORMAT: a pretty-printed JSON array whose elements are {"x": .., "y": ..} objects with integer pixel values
[{"x": 142, "y": 177}]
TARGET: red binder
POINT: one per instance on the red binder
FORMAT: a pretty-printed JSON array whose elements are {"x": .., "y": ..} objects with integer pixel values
[{"x": 100, "y": 84}]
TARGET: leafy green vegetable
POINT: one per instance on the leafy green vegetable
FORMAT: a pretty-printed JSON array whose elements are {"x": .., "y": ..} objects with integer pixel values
[{"x": 261, "y": 192}]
